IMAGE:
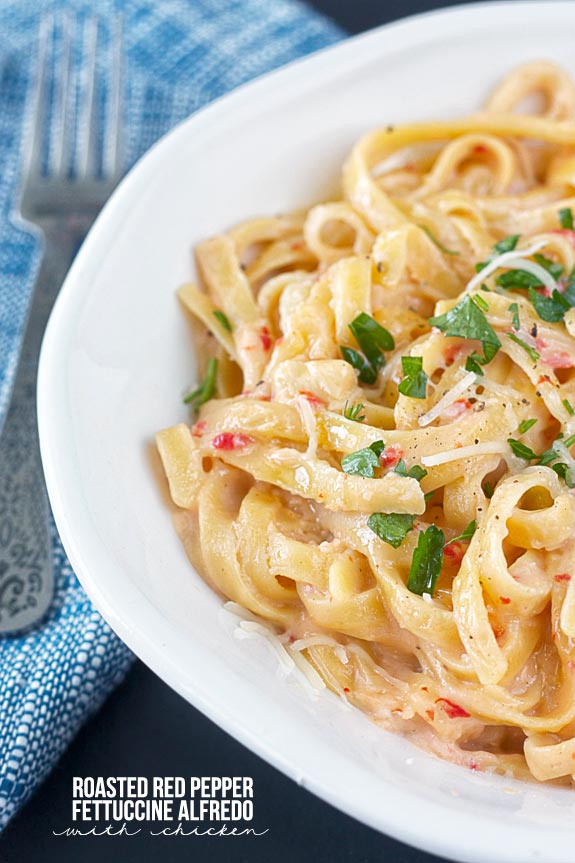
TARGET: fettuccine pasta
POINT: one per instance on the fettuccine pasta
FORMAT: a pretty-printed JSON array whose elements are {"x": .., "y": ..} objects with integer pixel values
[{"x": 380, "y": 466}]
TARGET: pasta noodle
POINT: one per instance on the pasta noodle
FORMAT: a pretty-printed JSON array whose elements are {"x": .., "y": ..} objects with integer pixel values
[{"x": 381, "y": 467}]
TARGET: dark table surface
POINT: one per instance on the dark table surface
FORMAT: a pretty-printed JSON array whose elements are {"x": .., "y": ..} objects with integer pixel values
[{"x": 146, "y": 729}]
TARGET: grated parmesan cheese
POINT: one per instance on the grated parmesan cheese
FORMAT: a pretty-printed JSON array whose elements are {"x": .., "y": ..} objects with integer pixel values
[
  {"x": 516, "y": 260},
  {"x": 450, "y": 396},
  {"x": 321, "y": 640},
  {"x": 485, "y": 448}
]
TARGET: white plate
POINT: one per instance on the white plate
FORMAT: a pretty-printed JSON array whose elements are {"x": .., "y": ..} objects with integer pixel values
[{"x": 117, "y": 356}]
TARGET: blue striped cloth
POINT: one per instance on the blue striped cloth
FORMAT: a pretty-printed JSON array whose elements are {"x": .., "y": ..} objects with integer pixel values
[{"x": 179, "y": 56}]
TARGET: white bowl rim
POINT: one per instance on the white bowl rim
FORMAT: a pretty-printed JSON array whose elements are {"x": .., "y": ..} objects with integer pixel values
[{"x": 88, "y": 556}]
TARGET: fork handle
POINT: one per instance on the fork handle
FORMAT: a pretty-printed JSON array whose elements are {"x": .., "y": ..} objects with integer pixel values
[{"x": 26, "y": 567}]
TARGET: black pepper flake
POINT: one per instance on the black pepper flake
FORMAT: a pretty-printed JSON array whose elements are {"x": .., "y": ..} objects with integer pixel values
[
  {"x": 534, "y": 331},
  {"x": 537, "y": 393},
  {"x": 476, "y": 440},
  {"x": 389, "y": 129}
]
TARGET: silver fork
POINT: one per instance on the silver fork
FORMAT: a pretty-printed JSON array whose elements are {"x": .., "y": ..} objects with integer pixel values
[{"x": 73, "y": 162}]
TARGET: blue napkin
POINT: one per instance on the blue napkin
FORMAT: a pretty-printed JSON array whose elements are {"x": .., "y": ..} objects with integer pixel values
[{"x": 179, "y": 56}]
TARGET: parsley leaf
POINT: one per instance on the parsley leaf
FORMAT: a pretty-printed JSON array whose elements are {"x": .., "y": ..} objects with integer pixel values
[
  {"x": 525, "y": 425},
  {"x": 520, "y": 449},
  {"x": 427, "y": 561},
  {"x": 436, "y": 242},
  {"x": 206, "y": 389},
  {"x": 391, "y": 527},
  {"x": 514, "y": 309},
  {"x": 364, "y": 461},
  {"x": 553, "y": 268},
  {"x": 517, "y": 279},
  {"x": 366, "y": 373},
  {"x": 507, "y": 244},
  {"x": 353, "y": 412},
  {"x": 467, "y": 321},
  {"x": 415, "y": 471},
  {"x": 531, "y": 352},
  {"x": 474, "y": 362},
  {"x": 551, "y": 309},
  {"x": 566, "y": 218},
  {"x": 414, "y": 383},
  {"x": 479, "y": 301},
  {"x": 223, "y": 319},
  {"x": 373, "y": 339},
  {"x": 466, "y": 535},
  {"x": 488, "y": 489}
]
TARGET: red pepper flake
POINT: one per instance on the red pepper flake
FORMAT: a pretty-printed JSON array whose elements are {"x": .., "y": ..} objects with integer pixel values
[
  {"x": 424, "y": 688},
  {"x": 346, "y": 688},
  {"x": 453, "y": 553},
  {"x": 430, "y": 714},
  {"x": 199, "y": 428},
  {"x": 391, "y": 455},
  {"x": 544, "y": 379},
  {"x": 480, "y": 148},
  {"x": 297, "y": 247},
  {"x": 231, "y": 440},
  {"x": 505, "y": 600},
  {"x": 473, "y": 765},
  {"x": 454, "y": 711},
  {"x": 265, "y": 338},
  {"x": 563, "y": 576},
  {"x": 314, "y": 400}
]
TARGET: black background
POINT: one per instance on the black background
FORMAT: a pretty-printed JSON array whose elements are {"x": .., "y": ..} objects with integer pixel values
[{"x": 145, "y": 729}]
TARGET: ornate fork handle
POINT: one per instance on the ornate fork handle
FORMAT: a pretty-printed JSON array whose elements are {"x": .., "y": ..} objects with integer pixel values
[{"x": 26, "y": 567}]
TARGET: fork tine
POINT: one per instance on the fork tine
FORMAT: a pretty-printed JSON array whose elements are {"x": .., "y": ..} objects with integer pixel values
[
  {"x": 112, "y": 150},
  {"x": 39, "y": 104},
  {"x": 87, "y": 132},
  {"x": 62, "y": 131}
]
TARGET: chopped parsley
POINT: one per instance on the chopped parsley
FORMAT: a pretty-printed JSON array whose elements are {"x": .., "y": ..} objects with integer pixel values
[
  {"x": 507, "y": 244},
  {"x": 551, "y": 309},
  {"x": 366, "y": 374},
  {"x": 414, "y": 383},
  {"x": 514, "y": 309},
  {"x": 488, "y": 489},
  {"x": 373, "y": 339},
  {"x": 223, "y": 319},
  {"x": 206, "y": 389},
  {"x": 354, "y": 412},
  {"x": 518, "y": 279},
  {"x": 531, "y": 352},
  {"x": 436, "y": 242},
  {"x": 525, "y": 425},
  {"x": 549, "y": 458},
  {"x": 415, "y": 471},
  {"x": 363, "y": 462},
  {"x": 479, "y": 301},
  {"x": 520, "y": 449},
  {"x": 569, "y": 407},
  {"x": 391, "y": 527},
  {"x": 466, "y": 535},
  {"x": 566, "y": 218},
  {"x": 553, "y": 268},
  {"x": 467, "y": 321},
  {"x": 427, "y": 561}
]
